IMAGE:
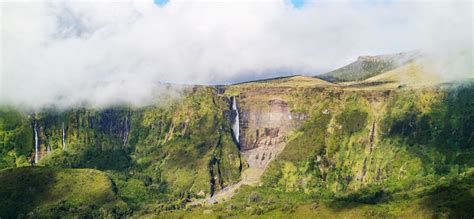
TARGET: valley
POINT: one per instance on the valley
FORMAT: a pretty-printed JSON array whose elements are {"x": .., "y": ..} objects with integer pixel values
[{"x": 387, "y": 145}]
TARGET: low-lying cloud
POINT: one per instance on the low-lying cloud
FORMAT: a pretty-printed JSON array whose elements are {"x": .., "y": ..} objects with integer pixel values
[{"x": 69, "y": 52}]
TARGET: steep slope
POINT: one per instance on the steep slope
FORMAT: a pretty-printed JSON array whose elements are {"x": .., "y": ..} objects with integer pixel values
[
  {"x": 357, "y": 133},
  {"x": 411, "y": 73},
  {"x": 33, "y": 192},
  {"x": 166, "y": 154},
  {"x": 289, "y": 146},
  {"x": 15, "y": 138},
  {"x": 265, "y": 123},
  {"x": 342, "y": 152},
  {"x": 358, "y": 141},
  {"x": 368, "y": 66},
  {"x": 291, "y": 81}
]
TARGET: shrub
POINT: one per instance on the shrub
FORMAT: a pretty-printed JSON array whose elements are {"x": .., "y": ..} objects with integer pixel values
[{"x": 253, "y": 197}]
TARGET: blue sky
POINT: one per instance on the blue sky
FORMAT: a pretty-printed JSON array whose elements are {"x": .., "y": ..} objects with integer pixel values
[
  {"x": 161, "y": 2},
  {"x": 297, "y": 3}
]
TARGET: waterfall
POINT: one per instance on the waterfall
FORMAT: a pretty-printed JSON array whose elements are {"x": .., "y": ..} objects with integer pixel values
[
  {"x": 64, "y": 136},
  {"x": 36, "y": 144},
  {"x": 127, "y": 130},
  {"x": 236, "y": 125}
]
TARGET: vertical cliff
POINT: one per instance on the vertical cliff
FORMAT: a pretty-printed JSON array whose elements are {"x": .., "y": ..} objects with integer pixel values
[
  {"x": 183, "y": 148},
  {"x": 296, "y": 140},
  {"x": 352, "y": 139}
]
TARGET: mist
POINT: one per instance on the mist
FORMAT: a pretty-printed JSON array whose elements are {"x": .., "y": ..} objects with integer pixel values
[{"x": 70, "y": 52}]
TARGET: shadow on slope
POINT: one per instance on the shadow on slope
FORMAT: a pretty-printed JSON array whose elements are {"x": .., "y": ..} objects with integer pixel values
[
  {"x": 446, "y": 197},
  {"x": 443, "y": 125},
  {"x": 47, "y": 192},
  {"x": 87, "y": 156},
  {"x": 435, "y": 127}
]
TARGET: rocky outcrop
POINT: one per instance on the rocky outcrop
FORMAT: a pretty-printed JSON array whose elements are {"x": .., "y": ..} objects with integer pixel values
[
  {"x": 264, "y": 123},
  {"x": 264, "y": 120}
]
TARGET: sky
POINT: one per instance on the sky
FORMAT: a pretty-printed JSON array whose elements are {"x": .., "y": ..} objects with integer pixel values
[{"x": 70, "y": 52}]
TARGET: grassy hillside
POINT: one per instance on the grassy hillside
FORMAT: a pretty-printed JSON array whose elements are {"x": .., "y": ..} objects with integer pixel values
[
  {"x": 409, "y": 73},
  {"x": 165, "y": 154},
  {"x": 368, "y": 66},
  {"x": 47, "y": 192},
  {"x": 15, "y": 138},
  {"x": 349, "y": 151},
  {"x": 368, "y": 147},
  {"x": 447, "y": 197},
  {"x": 292, "y": 81},
  {"x": 358, "y": 138}
]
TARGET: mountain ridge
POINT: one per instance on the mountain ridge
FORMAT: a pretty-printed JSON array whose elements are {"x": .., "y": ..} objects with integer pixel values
[{"x": 368, "y": 66}]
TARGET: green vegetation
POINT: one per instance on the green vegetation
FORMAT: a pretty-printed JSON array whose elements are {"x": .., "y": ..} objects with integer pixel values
[
  {"x": 430, "y": 132},
  {"x": 356, "y": 153},
  {"x": 358, "y": 71},
  {"x": 362, "y": 150},
  {"x": 169, "y": 155},
  {"x": 425, "y": 197},
  {"x": 368, "y": 66},
  {"x": 16, "y": 138},
  {"x": 48, "y": 192},
  {"x": 87, "y": 156}
]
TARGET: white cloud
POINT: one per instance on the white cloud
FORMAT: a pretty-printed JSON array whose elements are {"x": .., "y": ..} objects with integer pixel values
[{"x": 71, "y": 48}]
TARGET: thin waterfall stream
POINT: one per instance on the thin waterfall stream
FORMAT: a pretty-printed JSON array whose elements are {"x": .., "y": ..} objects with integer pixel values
[
  {"x": 64, "y": 136},
  {"x": 127, "y": 130},
  {"x": 236, "y": 124},
  {"x": 36, "y": 143}
]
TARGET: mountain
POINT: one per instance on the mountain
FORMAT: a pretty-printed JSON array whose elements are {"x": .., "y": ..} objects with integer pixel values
[
  {"x": 368, "y": 66},
  {"x": 386, "y": 146}
]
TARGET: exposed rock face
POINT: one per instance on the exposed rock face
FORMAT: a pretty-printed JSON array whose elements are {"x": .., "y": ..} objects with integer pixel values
[
  {"x": 260, "y": 157},
  {"x": 264, "y": 123}
]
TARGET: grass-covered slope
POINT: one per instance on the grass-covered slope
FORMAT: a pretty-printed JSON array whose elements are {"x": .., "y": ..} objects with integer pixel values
[
  {"x": 291, "y": 81},
  {"x": 388, "y": 152},
  {"x": 365, "y": 153},
  {"x": 158, "y": 156},
  {"x": 15, "y": 138},
  {"x": 447, "y": 197},
  {"x": 48, "y": 192},
  {"x": 410, "y": 73},
  {"x": 368, "y": 66},
  {"x": 373, "y": 145}
]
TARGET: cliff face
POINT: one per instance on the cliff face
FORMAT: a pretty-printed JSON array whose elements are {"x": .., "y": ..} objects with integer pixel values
[
  {"x": 104, "y": 130},
  {"x": 184, "y": 149},
  {"x": 338, "y": 139},
  {"x": 318, "y": 139},
  {"x": 266, "y": 122},
  {"x": 352, "y": 139},
  {"x": 267, "y": 117}
]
